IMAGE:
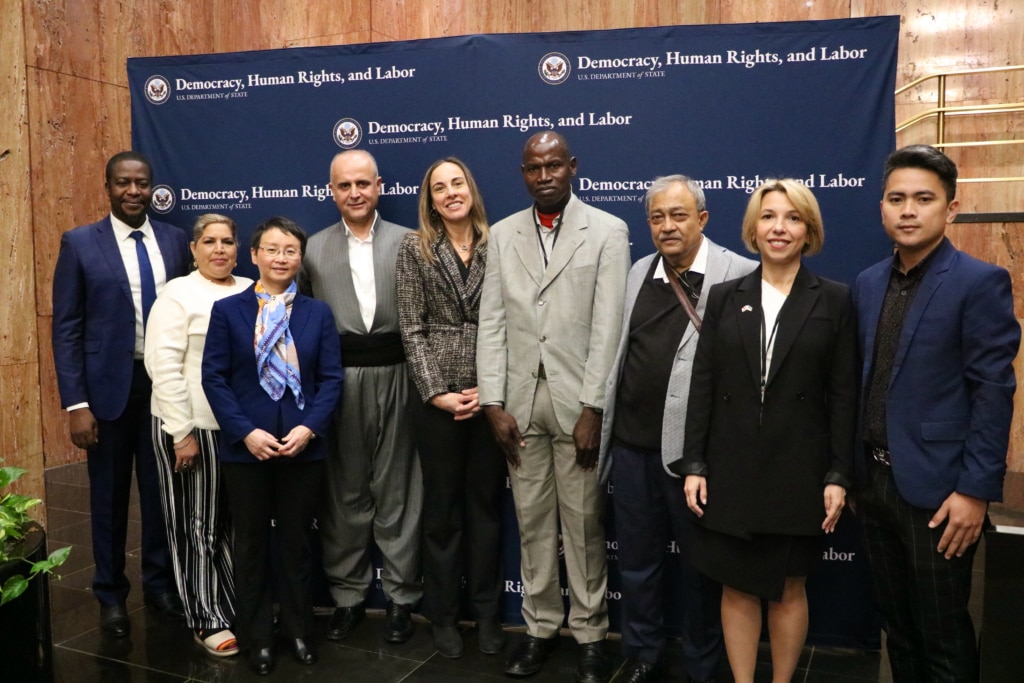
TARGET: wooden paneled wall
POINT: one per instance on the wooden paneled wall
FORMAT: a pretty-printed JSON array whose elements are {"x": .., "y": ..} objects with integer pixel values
[{"x": 65, "y": 109}]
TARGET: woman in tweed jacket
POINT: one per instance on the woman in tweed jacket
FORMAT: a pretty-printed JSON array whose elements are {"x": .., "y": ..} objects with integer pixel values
[{"x": 440, "y": 274}]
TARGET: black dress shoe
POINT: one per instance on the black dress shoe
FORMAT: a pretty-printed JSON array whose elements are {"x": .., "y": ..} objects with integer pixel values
[
  {"x": 398, "y": 625},
  {"x": 447, "y": 641},
  {"x": 261, "y": 660},
  {"x": 640, "y": 672},
  {"x": 593, "y": 665},
  {"x": 528, "y": 658},
  {"x": 344, "y": 620},
  {"x": 490, "y": 635},
  {"x": 114, "y": 620},
  {"x": 303, "y": 651},
  {"x": 166, "y": 605}
]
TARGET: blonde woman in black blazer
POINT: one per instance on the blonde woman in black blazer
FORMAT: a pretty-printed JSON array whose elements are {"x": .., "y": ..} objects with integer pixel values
[
  {"x": 440, "y": 274},
  {"x": 769, "y": 429}
]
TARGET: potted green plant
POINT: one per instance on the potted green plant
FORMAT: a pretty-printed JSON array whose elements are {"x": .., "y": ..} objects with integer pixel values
[
  {"x": 25, "y": 640},
  {"x": 15, "y": 524}
]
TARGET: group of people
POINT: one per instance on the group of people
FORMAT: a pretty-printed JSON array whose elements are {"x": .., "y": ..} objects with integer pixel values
[{"x": 385, "y": 381}]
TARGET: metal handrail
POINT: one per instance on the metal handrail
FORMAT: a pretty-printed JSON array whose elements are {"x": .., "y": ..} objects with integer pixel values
[
  {"x": 968, "y": 72},
  {"x": 942, "y": 111}
]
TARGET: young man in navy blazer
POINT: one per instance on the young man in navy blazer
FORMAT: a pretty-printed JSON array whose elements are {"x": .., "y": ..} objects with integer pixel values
[
  {"x": 102, "y": 287},
  {"x": 938, "y": 337}
]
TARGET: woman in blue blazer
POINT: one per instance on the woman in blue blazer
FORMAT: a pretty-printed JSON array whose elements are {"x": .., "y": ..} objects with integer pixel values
[
  {"x": 769, "y": 428},
  {"x": 272, "y": 373}
]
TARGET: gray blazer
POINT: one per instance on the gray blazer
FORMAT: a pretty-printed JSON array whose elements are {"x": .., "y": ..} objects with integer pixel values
[
  {"x": 327, "y": 275},
  {"x": 567, "y": 316},
  {"x": 437, "y": 312},
  {"x": 722, "y": 265}
]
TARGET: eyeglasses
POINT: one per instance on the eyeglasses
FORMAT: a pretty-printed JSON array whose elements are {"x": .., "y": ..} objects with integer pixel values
[{"x": 289, "y": 253}]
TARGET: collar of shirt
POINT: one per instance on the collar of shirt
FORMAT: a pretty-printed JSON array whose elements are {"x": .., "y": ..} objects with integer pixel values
[
  {"x": 920, "y": 268},
  {"x": 122, "y": 230},
  {"x": 373, "y": 228},
  {"x": 699, "y": 265}
]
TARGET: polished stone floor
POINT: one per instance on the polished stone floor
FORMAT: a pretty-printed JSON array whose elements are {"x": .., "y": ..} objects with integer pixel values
[{"x": 157, "y": 651}]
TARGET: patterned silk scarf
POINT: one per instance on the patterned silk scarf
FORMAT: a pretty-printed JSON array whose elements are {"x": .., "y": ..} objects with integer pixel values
[{"x": 276, "y": 359}]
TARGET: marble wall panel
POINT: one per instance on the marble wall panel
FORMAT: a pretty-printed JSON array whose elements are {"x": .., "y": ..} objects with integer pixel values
[
  {"x": 354, "y": 38},
  {"x": 410, "y": 19},
  {"x": 1015, "y": 459},
  {"x": 20, "y": 431},
  {"x": 743, "y": 11},
  {"x": 285, "y": 23},
  {"x": 20, "y": 428},
  {"x": 55, "y": 427},
  {"x": 76, "y": 124},
  {"x": 17, "y": 320}
]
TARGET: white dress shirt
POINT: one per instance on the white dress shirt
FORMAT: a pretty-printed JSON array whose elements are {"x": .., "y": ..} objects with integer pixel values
[
  {"x": 360, "y": 259},
  {"x": 699, "y": 265},
  {"x": 123, "y": 232}
]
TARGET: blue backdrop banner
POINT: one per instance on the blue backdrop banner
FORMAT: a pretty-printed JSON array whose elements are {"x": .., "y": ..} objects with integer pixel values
[{"x": 252, "y": 135}]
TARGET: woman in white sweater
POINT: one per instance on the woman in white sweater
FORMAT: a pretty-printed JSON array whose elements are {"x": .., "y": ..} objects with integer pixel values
[{"x": 185, "y": 433}]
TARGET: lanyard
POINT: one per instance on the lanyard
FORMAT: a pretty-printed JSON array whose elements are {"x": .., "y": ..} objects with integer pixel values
[
  {"x": 766, "y": 346},
  {"x": 554, "y": 234}
]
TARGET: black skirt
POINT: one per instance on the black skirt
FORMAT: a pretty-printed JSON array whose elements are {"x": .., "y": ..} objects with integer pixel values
[{"x": 758, "y": 566}]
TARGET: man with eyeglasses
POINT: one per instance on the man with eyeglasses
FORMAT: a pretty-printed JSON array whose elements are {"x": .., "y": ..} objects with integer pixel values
[
  {"x": 549, "y": 320},
  {"x": 374, "y": 485},
  {"x": 642, "y": 437}
]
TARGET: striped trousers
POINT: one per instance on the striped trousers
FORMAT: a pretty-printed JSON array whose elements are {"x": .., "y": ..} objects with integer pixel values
[{"x": 198, "y": 530}]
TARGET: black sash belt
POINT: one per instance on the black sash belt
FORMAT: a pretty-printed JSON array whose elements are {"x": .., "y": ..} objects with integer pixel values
[{"x": 371, "y": 350}]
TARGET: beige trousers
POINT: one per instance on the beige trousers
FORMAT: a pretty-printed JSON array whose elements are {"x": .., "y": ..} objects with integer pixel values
[{"x": 553, "y": 494}]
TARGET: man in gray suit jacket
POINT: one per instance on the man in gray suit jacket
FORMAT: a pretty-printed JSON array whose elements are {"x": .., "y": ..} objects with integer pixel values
[
  {"x": 374, "y": 485},
  {"x": 642, "y": 436},
  {"x": 549, "y": 318}
]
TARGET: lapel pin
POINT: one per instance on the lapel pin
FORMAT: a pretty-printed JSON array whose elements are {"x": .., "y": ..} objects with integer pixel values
[{"x": 746, "y": 309}]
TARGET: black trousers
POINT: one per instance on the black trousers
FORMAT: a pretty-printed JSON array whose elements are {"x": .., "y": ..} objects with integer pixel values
[
  {"x": 922, "y": 596},
  {"x": 653, "y": 532},
  {"x": 125, "y": 442},
  {"x": 288, "y": 492},
  {"x": 463, "y": 475}
]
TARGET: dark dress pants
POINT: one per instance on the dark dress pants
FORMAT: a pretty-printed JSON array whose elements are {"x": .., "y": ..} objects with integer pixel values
[
  {"x": 123, "y": 442},
  {"x": 463, "y": 476},
  {"x": 922, "y": 596},
  {"x": 288, "y": 492},
  {"x": 650, "y": 513}
]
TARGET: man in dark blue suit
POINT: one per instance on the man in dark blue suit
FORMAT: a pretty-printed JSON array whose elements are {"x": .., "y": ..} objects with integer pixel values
[
  {"x": 938, "y": 337},
  {"x": 107, "y": 275}
]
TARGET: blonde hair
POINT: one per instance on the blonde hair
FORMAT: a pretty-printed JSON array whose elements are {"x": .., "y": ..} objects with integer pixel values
[
  {"x": 802, "y": 200},
  {"x": 431, "y": 225}
]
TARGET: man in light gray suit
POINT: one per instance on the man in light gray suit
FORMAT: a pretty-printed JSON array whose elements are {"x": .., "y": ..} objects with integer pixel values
[
  {"x": 642, "y": 436},
  {"x": 374, "y": 485},
  {"x": 550, "y": 316}
]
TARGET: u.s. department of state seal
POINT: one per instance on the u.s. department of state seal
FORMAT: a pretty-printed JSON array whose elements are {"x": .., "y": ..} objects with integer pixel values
[
  {"x": 163, "y": 199},
  {"x": 347, "y": 133},
  {"x": 554, "y": 68},
  {"x": 158, "y": 89}
]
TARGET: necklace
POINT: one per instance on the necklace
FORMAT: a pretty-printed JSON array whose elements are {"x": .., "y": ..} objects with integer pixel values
[
  {"x": 461, "y": 245},
  {"x": 225, "y": 282}
]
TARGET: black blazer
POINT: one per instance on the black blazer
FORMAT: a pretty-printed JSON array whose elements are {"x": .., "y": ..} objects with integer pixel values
[{"x": 766, "y": 466}]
